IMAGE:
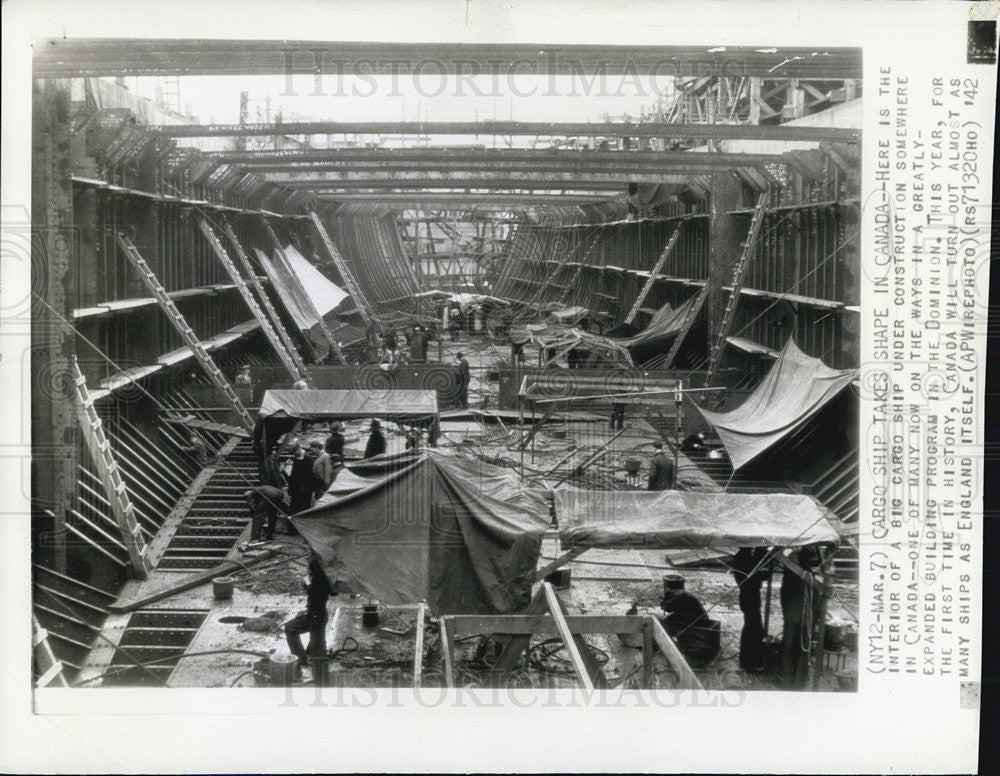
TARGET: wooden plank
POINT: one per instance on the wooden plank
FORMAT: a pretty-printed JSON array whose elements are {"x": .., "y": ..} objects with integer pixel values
[
  {"x": 418, "y": 650},
  {"x": 447, "y": 651},
  {"x": 647, "y": 653},
  {"x": 559, "y": 562},
  {"x": 541, "y": 624},
  {"x": 515, "y": 647},
  {"x": 555, "y": 608},
  {"x": 688, "y": 680}
]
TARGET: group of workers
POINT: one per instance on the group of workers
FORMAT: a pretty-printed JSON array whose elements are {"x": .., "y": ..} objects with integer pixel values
[{"x": 312, "y": 470}]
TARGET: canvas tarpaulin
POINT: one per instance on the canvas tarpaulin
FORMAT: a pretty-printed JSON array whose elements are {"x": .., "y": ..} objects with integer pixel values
[
  {"x": 422, "y": 531},
  {"x": 346, "y": 405},
  {"x": 666, "y": 322},
  {"x": 306, "y": 291},
  {"x": 793, "y": 391},
  {"x": 498, "y": 482},
  {"x": 674, "y": 519}
]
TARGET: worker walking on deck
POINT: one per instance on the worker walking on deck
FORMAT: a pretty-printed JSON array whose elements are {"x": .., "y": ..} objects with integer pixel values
[
  {"x": 464, "y": 378},
  {"x": 661, "y": 470},
  {"x": 313, "y": 619},
  {"x": 749, "y": 571},
  {"x": 376, "y": 442}
]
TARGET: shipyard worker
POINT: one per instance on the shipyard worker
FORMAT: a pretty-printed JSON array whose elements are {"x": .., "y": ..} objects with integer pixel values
[
  {"x": 265, "y": 502},
  {"x": 661, "y": 470},
  {"x": 243, "y": 377},
  {"x": 418, "y": 346},
  {"x": 312, "y": 619},
  {"x": 617, "y": 415},
  {"x": 463, "y": 379},
  {"x": 300, "y": 385},
  {"x": 196, "y": 449},
  {"x": 799, "y": 610},
  {"x": 748, "y": 566},
  {"x": 376, "y": 442},
  {"x": 323, "y": 469},
  {"x": 335, "y": 442},
  {"x": 300, "y": 480},
  {"x": 693, "y": 442}
]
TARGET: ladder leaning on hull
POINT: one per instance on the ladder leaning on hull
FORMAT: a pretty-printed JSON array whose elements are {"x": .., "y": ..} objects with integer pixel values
[
  {"x": 110, "y": 476},
  {"x": 739, "y": 272},
  {"x": 187, "y": 333},
  {"x": 285, "y": 356}
]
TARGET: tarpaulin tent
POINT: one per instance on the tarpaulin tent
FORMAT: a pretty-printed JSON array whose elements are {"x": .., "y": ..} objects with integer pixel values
[
  {"x": 281, "y": 409},
  {"x": 795, "y": 389},
  {"x": 498, "y": 482},
  {"x": 672, "y": 519},
  {"x": 424, "y": 531},
  {"x": 306, "y": 291}
]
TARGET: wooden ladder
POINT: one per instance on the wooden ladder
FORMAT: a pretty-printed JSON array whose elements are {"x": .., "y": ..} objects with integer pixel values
[
  {"x": 653, "y": 275},
  {"x": 686, "y": 325},
  {"x": 291, "y": 363},
  {"x": 739, "y": 272},
  {"x": 279, "y": 255},
  {"x": 111, "y": 478},
  {"x": 186, "y": 332},
  {"x": 352, "y": 286}
]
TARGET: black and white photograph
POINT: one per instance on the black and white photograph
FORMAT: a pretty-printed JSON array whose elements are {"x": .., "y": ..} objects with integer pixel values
[{"x": 366, "y": 361}]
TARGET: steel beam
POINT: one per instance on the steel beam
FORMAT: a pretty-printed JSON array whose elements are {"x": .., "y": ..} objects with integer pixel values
[
  {"x": 530, "y": 181},
  {"x": 519, "y": 128},
  {"x": 464, "y": 199},
  {"x": 74, "y": 57},
  {"x": 490, "y": 155}
]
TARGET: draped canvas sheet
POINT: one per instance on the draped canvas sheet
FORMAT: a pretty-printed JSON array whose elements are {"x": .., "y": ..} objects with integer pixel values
[
  {"x": 422, "y": 531},
  {"x": 674, "y": 519},
  {"x": 498, "y": 482},
  {"x": 794, "y": 390},
  {"x": 306, "y": 290},
  {"x": 666, "y": 322}
]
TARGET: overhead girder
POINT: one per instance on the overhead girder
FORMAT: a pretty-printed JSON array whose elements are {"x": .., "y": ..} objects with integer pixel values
[
  {"x": 78, "y": 57},
  {"x": 446, "y": 175},
  {"x": 490, "y": 155},
  {"x": 518, "y": 128},
  {"x": 465, "y": 199}
]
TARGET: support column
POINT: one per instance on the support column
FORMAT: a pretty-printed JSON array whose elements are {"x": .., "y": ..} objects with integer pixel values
[
  {"x": 53, "y": 241},
  {"x": 726, "y": 235}
]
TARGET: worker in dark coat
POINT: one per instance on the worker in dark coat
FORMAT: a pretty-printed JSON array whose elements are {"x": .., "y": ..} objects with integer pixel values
[
  {"x": 335, "y": 442},
  {"x": 617, "y": 415},
  {"x": 265, "y": 502},
  {"x": 799, "y": 610},
  {"x": 418, "y": 346},
  {"x": 750, "y": 573},
  {"x": 376, "y": 442},
  {"x": 661, "y": 470},
  {"x": 464, "y": 378},
  {"x": 313, "y": 619},
  {"x": 301, "y": 484}
]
